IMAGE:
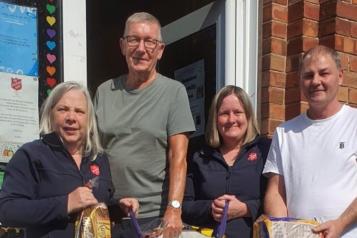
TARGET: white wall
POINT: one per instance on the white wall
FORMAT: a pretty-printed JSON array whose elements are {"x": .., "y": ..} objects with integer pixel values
[{"x": 74, "y": 41}]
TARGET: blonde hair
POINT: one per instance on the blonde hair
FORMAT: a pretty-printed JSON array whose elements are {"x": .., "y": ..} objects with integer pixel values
[
  {"x": 92, "y": 143},
  {"x": 212, "y": 135},
  {"x": 142, "y": 17}
]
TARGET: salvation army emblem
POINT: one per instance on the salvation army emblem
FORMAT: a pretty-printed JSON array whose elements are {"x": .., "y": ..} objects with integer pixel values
[
  {"x": 252, "y": 156},
  {"x": 16, "y": 83},
  {"x": 94, "y": 168}
]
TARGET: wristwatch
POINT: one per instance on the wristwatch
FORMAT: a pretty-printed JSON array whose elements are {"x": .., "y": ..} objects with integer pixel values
[{"x": 174, "y": 204}]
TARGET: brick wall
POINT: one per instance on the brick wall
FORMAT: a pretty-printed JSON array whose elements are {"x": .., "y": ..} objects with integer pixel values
[{"x": 291, "y": 27}]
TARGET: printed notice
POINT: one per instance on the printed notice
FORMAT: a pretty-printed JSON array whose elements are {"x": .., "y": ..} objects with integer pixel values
[
  {"x": 18, "y": 39},
  {"x": 19, "y": 118},
  {"x": 193, "y": 77}
]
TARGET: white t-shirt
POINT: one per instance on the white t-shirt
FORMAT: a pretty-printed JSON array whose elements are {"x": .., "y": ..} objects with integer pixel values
[{"x": 318, "y": 159}]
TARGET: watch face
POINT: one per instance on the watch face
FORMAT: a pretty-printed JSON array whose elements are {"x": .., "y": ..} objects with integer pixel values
[{"x": 175, "y": 204}]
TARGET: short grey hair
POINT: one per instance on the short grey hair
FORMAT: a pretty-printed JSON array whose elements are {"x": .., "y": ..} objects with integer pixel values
[
  {"x": 142, "y": 17},
  {"x": 92, "y": 143},
  {"x": 320, "y": 50},
  {"x": 213, "y": 138}
]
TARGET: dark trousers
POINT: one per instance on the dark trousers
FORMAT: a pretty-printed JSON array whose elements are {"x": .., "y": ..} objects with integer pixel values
[{"x": 125, "y": 228}]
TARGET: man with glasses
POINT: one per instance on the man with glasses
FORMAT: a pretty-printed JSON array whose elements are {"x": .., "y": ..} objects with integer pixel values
[{"x": 145, "y": 119}]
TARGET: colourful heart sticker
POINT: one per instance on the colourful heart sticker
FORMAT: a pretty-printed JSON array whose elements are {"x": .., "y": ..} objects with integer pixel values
[
  {"x": 50, "y": 8},
  {"x": 51, "y": 44},
  {"x": 51, "y": 82},
  {"x": 50, "y": 32},
  {"x": 51, "y": 20},
  {"x": 51, "y": 70},
  {"x": 48, "y": 92},
  {"x": 51, "y": 58}
]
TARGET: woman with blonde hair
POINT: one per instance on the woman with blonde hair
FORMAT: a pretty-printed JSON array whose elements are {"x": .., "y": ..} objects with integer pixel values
[{"x": 228, "y": 169}]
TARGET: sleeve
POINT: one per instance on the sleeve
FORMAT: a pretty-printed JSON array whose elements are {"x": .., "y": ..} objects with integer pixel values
[
  {"x": 255, "y": 207},
  {"x": 19, "y": 205},
  {"x": 273, "y": 161},
  {"x": 195, "y": 212},
  {"x": 180, "y": 116}
]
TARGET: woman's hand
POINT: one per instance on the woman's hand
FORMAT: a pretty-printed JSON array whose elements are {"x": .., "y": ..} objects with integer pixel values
[
  {"x": 236, "y": 208},
  {"x": 79, "y": 199},
  {"x": 129, "y": 204}
]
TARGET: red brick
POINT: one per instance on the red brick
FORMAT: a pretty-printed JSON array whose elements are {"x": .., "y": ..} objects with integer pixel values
[
  {"x": 265, "y": 95},
  {"x": 310, "y": 28},
  {"x": 267, "y": 13},
  {"x": 295, "y": 29},
  {"x": 266, "y": 48},
  {"x": 281, "y": 2},
  {"x": 292, "y": 63},
  {"x": 350, "y": 79},
  {"x": 265, "y": 110},
  {"x": 309, "y": 42},
  {"x": 273, "y": 124},
  {"x": 343, "y": 27},
  {"x": 344, "y": 61},
  {"x": 277, "y": 62},
  {"x": 292, "y": 95},
  {"x": 327, "y": 27},
  {"x": 343, "y": 94},
  {"x": 279, "y": 29},
  {"x": 277, "y": 79},
  {"x": 265, "y": 79},
  {"x": 353, "y": 63},
  {"x": 295, "y": 46},
  {"x": 267, "y": 29},
  {"x": 292, "y": 79},
  {"x": 312, "y": 1},
  {"x": 352, "y": 97},
  {"x": 311, "y": 11},
  {"x": 277, "y": 111},
  {"x": 347, "y": 10},
  {"x": 354, "y": 1},
  {"x": 348, "y": 45},
  {"x": 328, "y": 9},
  {"x": 347, "y": 1},
  {"x": 296, "y": 11},
  {"x": 276, "y": 95},
  {"x": 292, "y": 110},
  {"x": 339, "y": 43},
  {"x": 279, "y": 12},
  {"x": 328, "y": 41},
  {"x": 354, "y": 29},
  {"x": 264, "y": 127},
  {"x": 278, "y": 46},
  {"x": 303, "y": 106}
]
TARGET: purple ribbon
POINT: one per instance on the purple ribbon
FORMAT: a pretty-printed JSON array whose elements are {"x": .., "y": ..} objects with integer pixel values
[
  {"x": 221, "y": 228},
  {"x": 135, "y": 223}
]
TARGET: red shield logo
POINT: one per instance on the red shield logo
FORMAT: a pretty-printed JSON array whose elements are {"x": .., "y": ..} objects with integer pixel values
[
  {"x": 16, "y": 83},
  {"x": 252, "y": 156}
]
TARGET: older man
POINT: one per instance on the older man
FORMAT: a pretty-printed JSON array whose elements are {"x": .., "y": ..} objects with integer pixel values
[
  {"x": 312, "y": 162},
  {"x": 145, "y": 119}
]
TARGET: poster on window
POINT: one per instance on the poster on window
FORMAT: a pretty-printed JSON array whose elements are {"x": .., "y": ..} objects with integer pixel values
[
  {"x": 19, "y": 120},
  {"x": 18, "y": 39},
  {"x": 193, "y": 77}
]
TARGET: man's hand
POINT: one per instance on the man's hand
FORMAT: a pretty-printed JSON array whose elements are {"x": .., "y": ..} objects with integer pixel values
[
  {"x": 129, "y": 204},
  {"x": 172, "y": 223},
  {"x": 330, "y": 229}
]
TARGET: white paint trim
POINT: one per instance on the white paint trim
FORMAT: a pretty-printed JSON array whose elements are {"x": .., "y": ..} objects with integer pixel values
[
  {"x": 74, "y": 41},
  {"x": 242, "y": 46}
]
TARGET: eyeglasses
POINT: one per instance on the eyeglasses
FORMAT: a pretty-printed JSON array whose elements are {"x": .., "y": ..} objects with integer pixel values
[{"x": 134, "y": 41}]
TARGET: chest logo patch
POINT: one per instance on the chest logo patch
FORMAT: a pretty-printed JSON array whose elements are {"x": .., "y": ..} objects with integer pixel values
[
  {"x": 94, "y": 168},
  {"x": 252, "y": 156}
]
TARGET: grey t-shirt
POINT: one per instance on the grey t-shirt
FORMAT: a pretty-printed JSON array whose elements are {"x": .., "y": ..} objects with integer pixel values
[{"x": 135, "y": 126}]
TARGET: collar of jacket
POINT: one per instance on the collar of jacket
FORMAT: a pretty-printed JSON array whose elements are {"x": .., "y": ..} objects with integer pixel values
[
  {"x": 208, "y": 151},
  {"x": 54, "y": 141}
]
